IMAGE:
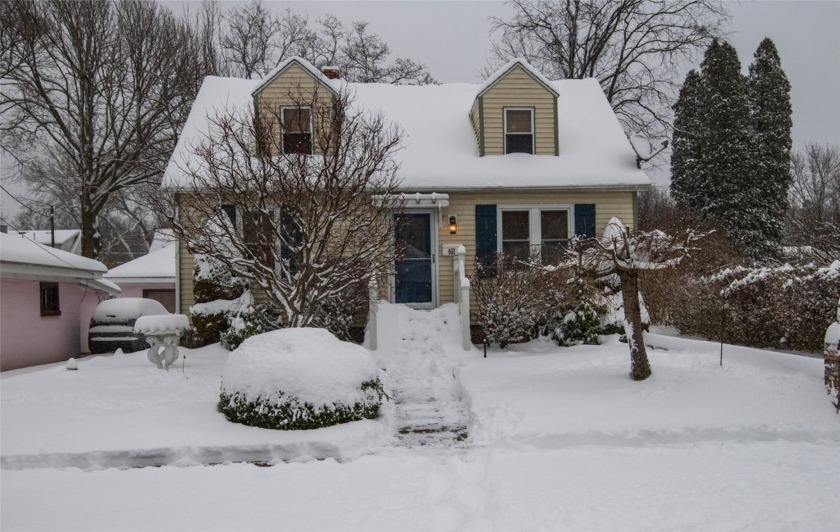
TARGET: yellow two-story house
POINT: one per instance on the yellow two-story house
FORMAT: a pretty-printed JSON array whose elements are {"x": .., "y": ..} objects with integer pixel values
[{"x": 515, "y": 164}]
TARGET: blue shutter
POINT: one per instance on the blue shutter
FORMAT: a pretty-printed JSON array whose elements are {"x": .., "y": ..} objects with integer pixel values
[
  {"x": 585, "y": 220},
  {"x": 485, "y": 238}
]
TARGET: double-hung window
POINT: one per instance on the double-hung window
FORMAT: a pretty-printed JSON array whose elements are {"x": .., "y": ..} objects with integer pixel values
[
  {"x": 529, "y": 230},
  {"x": 519, "y": 130},
  {"x": 297, "y": 129}
]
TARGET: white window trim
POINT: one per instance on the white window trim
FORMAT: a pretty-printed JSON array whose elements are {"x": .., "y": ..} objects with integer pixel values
[
  {"x": 534, "y": 221},
  {"x": 533, "y": 132},
  {"x": 283, "y": 128}
]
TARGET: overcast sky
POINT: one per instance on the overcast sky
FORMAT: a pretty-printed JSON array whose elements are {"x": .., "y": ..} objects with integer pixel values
[{"x": 452, "y": 39}]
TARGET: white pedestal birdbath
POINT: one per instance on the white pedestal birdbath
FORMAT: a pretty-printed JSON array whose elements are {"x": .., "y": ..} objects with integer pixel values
[{"x": 162, "y": 332}]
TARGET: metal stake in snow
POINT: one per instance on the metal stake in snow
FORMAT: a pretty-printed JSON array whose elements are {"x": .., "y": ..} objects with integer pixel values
[{"x": 722, "y": 330}]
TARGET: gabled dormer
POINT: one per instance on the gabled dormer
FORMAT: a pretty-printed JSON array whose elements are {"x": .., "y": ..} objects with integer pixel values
[
  {"x": 298, "y": 99},
  {"x": 515, "y": 111}
]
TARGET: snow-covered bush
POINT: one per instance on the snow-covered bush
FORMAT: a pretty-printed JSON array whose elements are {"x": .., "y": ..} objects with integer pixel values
[
  {"x": 299, "y": 378},
  {"x": 580, "y": 325},
  {"x": 219, "y": 295},
  {"x": 788, "y": 306},
  {"x": 581, "y": 310},
  {"x": 251, "y": 321},
  {"x": 515, "y": 303}
]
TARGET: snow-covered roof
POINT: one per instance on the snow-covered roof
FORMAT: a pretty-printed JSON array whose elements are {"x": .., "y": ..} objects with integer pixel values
[
  {"x": 440, "y": 151},
  {"x": 22, "y": 250},
  {"x": 66, "y": 239},
  {"x": 161, "y": 239},
  {"x": 154, "y": 267},
  {"x": 23, "y": 258}
]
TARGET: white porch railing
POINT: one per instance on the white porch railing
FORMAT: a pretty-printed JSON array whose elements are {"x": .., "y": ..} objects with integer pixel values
[
  {"x": 462, "y": 294},
  {"x": 373, "y": 296}
]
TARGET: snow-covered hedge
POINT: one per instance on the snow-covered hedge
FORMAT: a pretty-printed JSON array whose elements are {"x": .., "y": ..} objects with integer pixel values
[
  {"x": 299, "y": 378},
  {"x": 219, "y": 295},
  {"x": 785, "y": 306}
]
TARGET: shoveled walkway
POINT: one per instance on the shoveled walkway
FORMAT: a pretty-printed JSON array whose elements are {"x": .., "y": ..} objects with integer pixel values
[{"x": 422, "y": 365}]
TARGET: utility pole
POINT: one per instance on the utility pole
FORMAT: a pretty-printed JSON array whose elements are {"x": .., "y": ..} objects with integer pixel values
[{"x": 52, "y": 226}]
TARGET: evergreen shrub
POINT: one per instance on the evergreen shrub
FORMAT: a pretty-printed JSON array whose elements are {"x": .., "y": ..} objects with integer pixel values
[
  {"x": 283, "y": 412},
  {"x": 250, "y": 322}
]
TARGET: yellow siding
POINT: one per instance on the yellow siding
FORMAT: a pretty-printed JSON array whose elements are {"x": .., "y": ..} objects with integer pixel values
[
  {"x": 475, "y": 124},
  {"x": 607, "y": 205},
  {"x": 187, "y": 263},
  {"x": 519, "y": 89},
  {"x": 462, "y": 204},
  {"x": 296, "y": 87}
]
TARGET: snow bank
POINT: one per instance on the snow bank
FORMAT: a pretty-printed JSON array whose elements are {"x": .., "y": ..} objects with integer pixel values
[
  {"x": 309, "y": 364},
  {"x": 126, "y": 309}
]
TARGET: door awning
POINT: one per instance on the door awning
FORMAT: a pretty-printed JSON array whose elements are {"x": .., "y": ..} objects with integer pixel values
[{"x": 415, "y": 200}]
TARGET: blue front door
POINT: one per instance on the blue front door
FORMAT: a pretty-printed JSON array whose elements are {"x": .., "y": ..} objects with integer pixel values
[{"x": 414, "y": 279}]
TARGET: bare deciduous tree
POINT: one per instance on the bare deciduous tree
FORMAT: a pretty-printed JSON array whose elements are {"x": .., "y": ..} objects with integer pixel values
[
  {"x": 255, "y": 40},
  {"x": 815, "y": 201},
  {"x": 306, "y": 230},
  {"x": 625, "y": 254},
  {"x": 99, "y": 88},
  {"x": 633, "y": 47}
]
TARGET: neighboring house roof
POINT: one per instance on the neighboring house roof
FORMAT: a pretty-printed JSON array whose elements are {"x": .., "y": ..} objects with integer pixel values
[
  {"x": 161, "y": 239},
  {"x": 23, "y": 258},
  {"x": 66, "y": 239},
  {"x": 157, "y": 267},
  {"x": 440, "y": 151}
]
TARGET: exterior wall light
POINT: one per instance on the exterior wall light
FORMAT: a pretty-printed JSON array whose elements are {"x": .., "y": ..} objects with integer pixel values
[{"x": 453, "y": 225}]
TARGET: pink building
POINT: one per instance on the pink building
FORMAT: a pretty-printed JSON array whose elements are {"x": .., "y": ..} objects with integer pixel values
[
  {"x": 47, "y": 297},
  {"x": 151, "y": 276}
]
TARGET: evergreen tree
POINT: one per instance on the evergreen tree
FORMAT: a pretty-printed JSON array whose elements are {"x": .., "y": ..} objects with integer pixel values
[
  {"x": 768, "y": 90},
  {"x": 728, "y": 189},
  {"x": 688, "y": 130}
]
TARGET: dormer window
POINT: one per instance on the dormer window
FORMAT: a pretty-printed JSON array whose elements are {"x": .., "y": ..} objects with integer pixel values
[
  {"x": 519, "y": 130},
  {"x": 297, "y": 129}
]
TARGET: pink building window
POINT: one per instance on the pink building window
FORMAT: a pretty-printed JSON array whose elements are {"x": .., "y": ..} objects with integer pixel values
[{"x": 49, "y": 300}]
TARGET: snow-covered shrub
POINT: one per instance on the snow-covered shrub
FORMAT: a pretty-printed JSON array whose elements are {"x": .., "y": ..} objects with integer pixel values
[
  {"x": 580, "y": 325},
  {"x": 787, "y": 306},
  {"x": 251, "y": 321},
  {"x": 219, "y": 295},
  {"x": 299, "y": 378},
  {"x": 580, "y": 310},
  {"x": 515, "y": 303}
]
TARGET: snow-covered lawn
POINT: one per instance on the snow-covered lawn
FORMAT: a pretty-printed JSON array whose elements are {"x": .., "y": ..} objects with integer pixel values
[{"x": 560, "y": 439}]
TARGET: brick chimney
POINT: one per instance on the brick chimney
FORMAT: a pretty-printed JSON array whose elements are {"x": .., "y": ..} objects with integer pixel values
[{"x": 332, "y": 72}]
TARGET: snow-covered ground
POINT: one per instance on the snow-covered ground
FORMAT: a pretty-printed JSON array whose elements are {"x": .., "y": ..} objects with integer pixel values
[{"x": 559, "y": 439}]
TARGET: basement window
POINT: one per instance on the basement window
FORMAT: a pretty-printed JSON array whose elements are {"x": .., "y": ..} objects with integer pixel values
[{"x": 49, "y": 300}]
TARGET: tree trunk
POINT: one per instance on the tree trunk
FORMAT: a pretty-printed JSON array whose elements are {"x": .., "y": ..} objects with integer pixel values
[
  {"x": 90, "y": 230},
  {"x": 639, "y": 365}
]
